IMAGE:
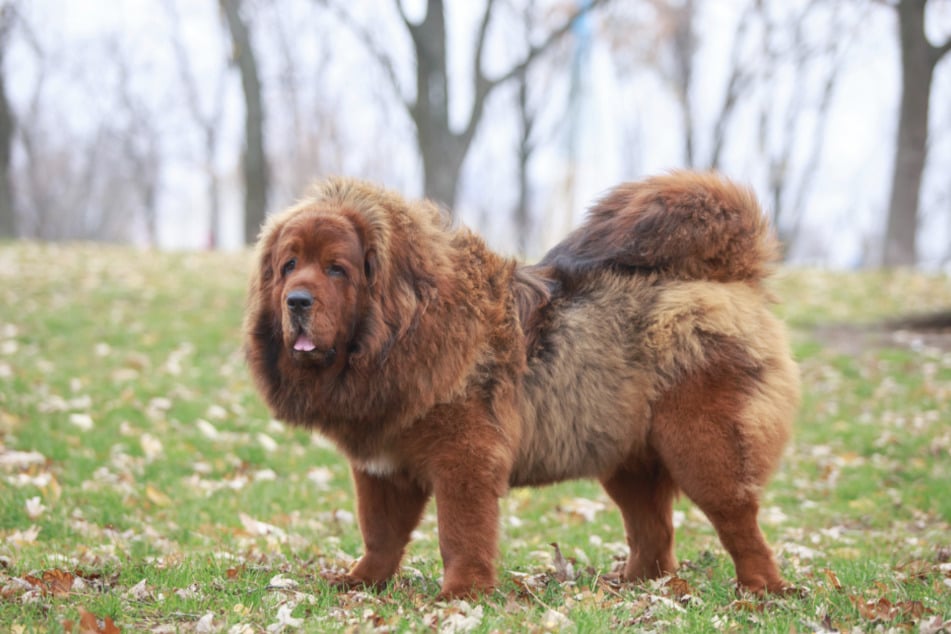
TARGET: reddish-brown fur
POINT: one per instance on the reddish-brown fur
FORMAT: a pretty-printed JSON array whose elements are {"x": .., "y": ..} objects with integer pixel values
[{"x": 640, "y": 351}]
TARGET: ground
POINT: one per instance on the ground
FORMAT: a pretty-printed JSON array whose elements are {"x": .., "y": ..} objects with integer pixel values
[{"x": 143, "y": 486}]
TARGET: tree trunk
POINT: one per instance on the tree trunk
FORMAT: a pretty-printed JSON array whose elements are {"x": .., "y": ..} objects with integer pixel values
[
  {"x": 7, "y": 128},
  {"x": 444, "y": 150},
  {"x": 254, "y": 161},
  {"x": 526, "y": 125},
  {"x": 918, "y": 60}
]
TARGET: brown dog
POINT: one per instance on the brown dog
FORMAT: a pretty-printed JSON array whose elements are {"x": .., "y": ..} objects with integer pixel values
[{"x": 640, "y": 351}]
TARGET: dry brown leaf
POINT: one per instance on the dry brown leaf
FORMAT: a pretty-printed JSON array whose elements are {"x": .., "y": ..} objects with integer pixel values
[
  {"x": 745, "y": 605},
  {"x": 917, "y": 569},
  {"x": 54, "y": 582},
  {"x": 679, "y": 587},
  {"x": 156, "y": 497},
  {"x": 564, "y": 571},
  {"x": 35, "y": 582},
  {"x": 874, "y": 610},
  {"x": 58, "y": 582},
  {"x": 832, "y": 578},
  {"x": 90, "y": 624},
  {"x": 913, "y": 609}
]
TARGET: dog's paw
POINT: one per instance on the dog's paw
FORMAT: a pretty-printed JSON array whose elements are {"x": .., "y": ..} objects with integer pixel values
[{"x": 346, "y": 582}]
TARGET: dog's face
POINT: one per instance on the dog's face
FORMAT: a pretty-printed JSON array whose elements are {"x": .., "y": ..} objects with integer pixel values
[{"x": 319, "y": 289}]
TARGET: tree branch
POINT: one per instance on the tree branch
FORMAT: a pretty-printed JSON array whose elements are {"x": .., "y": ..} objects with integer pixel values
[
  {"x": 478, "y": 72},
  {"x": 937, "y": 52},
  {"x": 484, "y": 85},
  {"x": 385, "y": 62},
  {"x": 399, "y": 8}
]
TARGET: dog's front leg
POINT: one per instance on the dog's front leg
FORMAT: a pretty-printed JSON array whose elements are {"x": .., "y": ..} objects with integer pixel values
[
  {"x": 467, "y": 510},
  {"x": 388, "y": 509}
]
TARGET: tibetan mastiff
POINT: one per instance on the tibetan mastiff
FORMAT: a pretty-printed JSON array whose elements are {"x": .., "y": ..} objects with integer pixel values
[{"x": 640, "y": 351}]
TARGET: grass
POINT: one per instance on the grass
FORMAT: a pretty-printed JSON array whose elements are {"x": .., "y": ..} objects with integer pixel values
[{"x": 143, "y": 485}]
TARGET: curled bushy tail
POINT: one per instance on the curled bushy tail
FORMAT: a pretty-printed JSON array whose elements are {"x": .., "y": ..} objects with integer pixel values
[{"x": 684, "y": 225}]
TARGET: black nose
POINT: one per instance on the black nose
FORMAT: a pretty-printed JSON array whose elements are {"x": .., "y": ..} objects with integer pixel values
[{"x": 299, "y": 300}]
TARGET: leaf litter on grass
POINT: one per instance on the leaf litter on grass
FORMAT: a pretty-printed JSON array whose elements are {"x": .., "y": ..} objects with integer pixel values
[{"x": 133, "y": 449}]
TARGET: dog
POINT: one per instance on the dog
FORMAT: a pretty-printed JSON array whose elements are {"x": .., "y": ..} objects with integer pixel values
[{"x": 641, "y": 351}]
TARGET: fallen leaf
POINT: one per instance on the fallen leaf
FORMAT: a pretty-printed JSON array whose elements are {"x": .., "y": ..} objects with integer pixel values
[
  {"x": 745, "y": 605},
  {"x": 582, "y": 507},
  {"x": 256, "y": 527},
  {"x": 564, "y": 571},
  {"x": 679, "y": 587},
  {"x": 156, "y": 497},
  {"x": 832, "y": 579},
  {"x": 464, "y": 618},
  {"x": 140, "y": 591},
  {"x": 206, "y": 624},
  {"x": 280, "y": 582},
  {"x": 284, "y": 620},
  {"x": 913, "y": 609},
  {"x": 934, "y": 625},
  {"x": 90, "y": 624},
  {"x": 83, "y": 421},
  {"x": 874, "y": 609},
  {"x": 553, "y": 621},
  {"x": 58, "y": 582},
  {"x": 35, "y": 507}
]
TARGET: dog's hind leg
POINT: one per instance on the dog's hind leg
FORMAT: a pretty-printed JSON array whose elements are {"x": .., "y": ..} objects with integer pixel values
[
  {"x": 645, "y": 494},
  {"x": 720, "y": 460}
]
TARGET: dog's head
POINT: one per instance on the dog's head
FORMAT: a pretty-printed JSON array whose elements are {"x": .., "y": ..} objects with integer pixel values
[
  {"x": 338, "y": 279},
  {"x": 321, "y": 273}
]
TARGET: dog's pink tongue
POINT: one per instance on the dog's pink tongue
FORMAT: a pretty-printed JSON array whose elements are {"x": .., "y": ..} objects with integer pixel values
[{"x": 304, "y": 343}]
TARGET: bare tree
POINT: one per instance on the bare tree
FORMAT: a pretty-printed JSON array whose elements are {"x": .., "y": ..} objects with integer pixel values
[
  {"x": 7, "y": 129},
  {"x": 527, "y": 119},
  {"x": 254, "y": 159},
  {"x": 679, "y": 22},
  {"x": 309, "y": 130},
  {"x": 918, "y": 60},
  {"x": 206, "y": 120},
  {"x": 137, "y": 134},
  {"x": 794, "y": 121},
  {"x": 669, "y": 42},
  {"x": 442, "y": 148},
  {"x": 94, "y": 181}
]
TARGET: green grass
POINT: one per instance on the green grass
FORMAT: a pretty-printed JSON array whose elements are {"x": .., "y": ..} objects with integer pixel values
[{"x": 155, "y": 460}]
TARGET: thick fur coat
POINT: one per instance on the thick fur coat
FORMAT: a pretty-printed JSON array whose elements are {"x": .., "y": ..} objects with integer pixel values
[{"x": 641, "y": 351}]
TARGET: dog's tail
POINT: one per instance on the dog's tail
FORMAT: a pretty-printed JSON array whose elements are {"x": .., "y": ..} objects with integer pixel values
[{"x": 682, "y": 225}]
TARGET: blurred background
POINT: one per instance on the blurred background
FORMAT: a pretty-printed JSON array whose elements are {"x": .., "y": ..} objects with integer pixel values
[{"x": 178, "y": 124}]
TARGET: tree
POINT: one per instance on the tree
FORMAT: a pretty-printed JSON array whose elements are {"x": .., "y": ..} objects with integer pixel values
[
  {"x": 794, "y": 122},
  {"x": 669, "y": 40},
  {"x": 206, "y": 120},
  {"x": 918, "y": 60},
  {"x": 7, "y": 129},
  {"x": 443, "y": 149},
  {"x": 254, "y": 160}
]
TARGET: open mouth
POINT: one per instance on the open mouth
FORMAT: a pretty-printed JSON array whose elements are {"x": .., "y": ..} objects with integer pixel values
[
  {"x": 304, "y": 344},
  {"x": 304, "y": 348}
]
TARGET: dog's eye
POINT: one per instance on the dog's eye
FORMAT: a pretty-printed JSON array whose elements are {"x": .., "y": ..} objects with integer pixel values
[
  {"x": 288, "y": 266},
  {"x": 335, "y": 270}
]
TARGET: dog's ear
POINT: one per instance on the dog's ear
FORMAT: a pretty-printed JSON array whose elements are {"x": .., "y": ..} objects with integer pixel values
[
  {"x": 264, "y": 272},
  {"x": 262, "y": 326},
  {"x": 371, "y": 267}
]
